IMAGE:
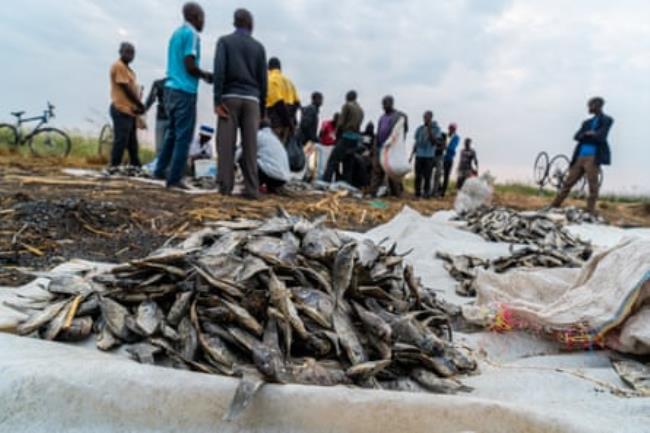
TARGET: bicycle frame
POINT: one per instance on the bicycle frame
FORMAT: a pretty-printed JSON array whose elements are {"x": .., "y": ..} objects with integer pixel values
[{"x": 42, "y": 120}]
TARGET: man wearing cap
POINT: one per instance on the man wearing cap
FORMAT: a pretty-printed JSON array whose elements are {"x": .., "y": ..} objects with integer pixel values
[
  {"x": 591, "y": 152},
  {"x": 450, "y": 155},
  {"x": 201, "y": 147},
  {"x": 181, "y": 88}
]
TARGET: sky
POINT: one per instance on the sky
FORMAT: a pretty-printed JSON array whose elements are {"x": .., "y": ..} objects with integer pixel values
[{"x": 514, "y": 74}]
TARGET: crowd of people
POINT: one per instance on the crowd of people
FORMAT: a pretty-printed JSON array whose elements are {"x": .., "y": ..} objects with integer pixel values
[
  {"x": 255, "y": 101},
  {"x": 252, "y": 96}
]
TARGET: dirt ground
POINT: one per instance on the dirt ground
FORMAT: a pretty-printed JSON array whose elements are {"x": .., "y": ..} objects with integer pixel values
[{"x": 47, "y": 217}]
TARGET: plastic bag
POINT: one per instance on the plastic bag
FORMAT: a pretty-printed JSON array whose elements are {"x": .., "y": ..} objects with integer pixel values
[
  {"x": 272, "y": 157},
  {"x": 476, "y": 192},
  {"x": 297, "y": 160},
  {"x": 394, "y": 156}
]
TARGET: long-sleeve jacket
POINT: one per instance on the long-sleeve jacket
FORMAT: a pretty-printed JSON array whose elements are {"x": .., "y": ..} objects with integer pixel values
[
  {"x": 598, "y": 138},
  {"x": 240, "y": 69},
  {"x": 350, "y": 119},
  {"x": 157, "y": 94},
  {"x": 309, "y": 124}
]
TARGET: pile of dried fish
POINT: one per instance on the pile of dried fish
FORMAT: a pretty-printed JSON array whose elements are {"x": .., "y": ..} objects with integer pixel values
[
  {"x": 463, "y": 268},
  {"x": 126, "y": 171},
  {"x": 575, "y": 215},
  {"x": 527, "y": 228},
  {"x": 285, "y": 300}
]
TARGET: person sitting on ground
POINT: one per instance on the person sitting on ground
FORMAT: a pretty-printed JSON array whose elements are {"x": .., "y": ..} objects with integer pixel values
[
  {"x": 385, "y": 127},
  {"x": 327, "y": 136},
  {"x": 426, "y": 138},
  {"x": 181, "y": 88},
  {"x": 348, "y": 136},
  {"x": 309, "y": 120},
  {"x": 201, "y": 147},
  {"x": 157, "y": 95},
  {"x": 468, "y": 165},
  {"x": 240, "y": 88},
  {"x": 591, "y": 152},
  {"x": 450, "y": 154},
  {"x": 125, "y": 107},
  {"x": 272, "y": 160},
  {"x": 281, "y": 102}
]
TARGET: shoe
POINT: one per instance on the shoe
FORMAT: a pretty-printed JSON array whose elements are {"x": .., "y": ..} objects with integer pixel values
[
  {"x": 180, "y": 186},
  {"x": 249, "y": 196}
]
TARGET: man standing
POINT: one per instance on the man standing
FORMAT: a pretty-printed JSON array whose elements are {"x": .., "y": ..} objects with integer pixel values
[
  {"x": 468, "y": 165},
  {"x": 426, "y": 140},
  {"x": 125, "y": 107},
  {"x": 157, "y": 95},
  {"x": 450, "y": 154},
  {"x": 348, "y": 135},
  {"x": 591, "y": 152},
  {"x": 240, "y": 87},
  {"x": 309, "y": 119},
  {"x": 181, "y": 87},
  {"x": 384, "y": 128},
  {"x": 281, "y": 102}
]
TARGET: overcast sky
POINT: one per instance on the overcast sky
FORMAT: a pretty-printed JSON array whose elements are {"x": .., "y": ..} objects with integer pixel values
[{"x": 514, "y": 74}]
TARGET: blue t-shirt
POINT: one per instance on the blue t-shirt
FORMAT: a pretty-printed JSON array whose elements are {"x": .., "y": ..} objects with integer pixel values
[
  {"x": 424, "y": 148},
  {"x": 589, "y": 149},
  {"x": 451, "y": 148},
  {"x": 184, "y": 42}
]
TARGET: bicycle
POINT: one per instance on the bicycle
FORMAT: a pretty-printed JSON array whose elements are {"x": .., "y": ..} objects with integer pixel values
[
  {"x": 105, "y": 143},
  {"x": 555, "y": 171},
  {"x": 43, "y": 142}
]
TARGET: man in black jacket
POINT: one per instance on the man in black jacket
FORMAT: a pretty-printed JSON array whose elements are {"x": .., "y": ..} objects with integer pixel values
[
  {"x": 591, "y": 152},
  {"x": 309, "y": 119},
  {"x": 240, "y": 87}
]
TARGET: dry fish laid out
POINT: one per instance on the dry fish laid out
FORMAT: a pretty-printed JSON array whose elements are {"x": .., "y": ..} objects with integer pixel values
[
  {"x": 464, "y": 268},
  {"x": 526, "y": 228},
  {"x": 635, "y": 374},
  {"x": 285, "y": 300}
]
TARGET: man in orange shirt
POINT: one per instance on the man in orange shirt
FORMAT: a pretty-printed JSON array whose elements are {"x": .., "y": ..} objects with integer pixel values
[{"x": 125, "y": 107}]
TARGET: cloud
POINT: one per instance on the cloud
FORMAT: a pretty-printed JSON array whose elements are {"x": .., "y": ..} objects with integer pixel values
[{"x": 515, "y": 74}]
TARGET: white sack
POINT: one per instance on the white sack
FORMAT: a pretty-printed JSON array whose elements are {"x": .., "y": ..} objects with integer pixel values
[
  {"x": 272, "y": 157},
  {"x": 476, "y": 192},
  {"x": 394, "y": 156},
  {"x": 600, "y": 305}
]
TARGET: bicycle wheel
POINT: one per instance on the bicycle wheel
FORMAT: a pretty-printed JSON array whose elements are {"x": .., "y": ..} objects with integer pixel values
[
  {"x": 558, "y": 170},
  {"x": 8, "y": 136},
  {"x": 105, "y": 144},
  {"x": 48, "y": 142},
  {"x": 540, "y": 169}
]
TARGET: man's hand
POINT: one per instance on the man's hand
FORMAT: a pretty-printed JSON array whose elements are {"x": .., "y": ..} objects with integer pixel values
[
  {"x": 589, "y": 133},
  {"x": 139, "y": 109},
  {"x": 222, "y": 111},
  {"x": 208, "y": 77}
]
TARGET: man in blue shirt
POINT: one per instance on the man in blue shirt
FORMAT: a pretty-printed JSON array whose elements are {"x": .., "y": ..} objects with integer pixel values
[
  {"x": 450, "y": 154},
  {"x": 181, "y": 87},
  {"x": 426, "y": 140},
  {"x": 591, "y": 152}
]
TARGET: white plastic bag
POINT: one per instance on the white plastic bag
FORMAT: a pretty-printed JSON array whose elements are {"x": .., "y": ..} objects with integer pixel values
[
  {"x": 394, "y": 156},
  {"x": 476, "y": 192}
]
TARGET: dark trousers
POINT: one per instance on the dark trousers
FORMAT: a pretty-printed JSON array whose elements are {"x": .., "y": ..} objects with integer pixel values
[
  {"x": 245, "y": 117},
  {"x": 447, "y": 168},
  {"x": 181, "y": 109},
  {"x": 271, "y": 184},
  {"x": 378, "y": 177},
  {"x": 124, "y": 137},
  {"x": 423, "y": 172},
  {"x": 584, "y": 166},
  {"x": 342, "y": 153}
]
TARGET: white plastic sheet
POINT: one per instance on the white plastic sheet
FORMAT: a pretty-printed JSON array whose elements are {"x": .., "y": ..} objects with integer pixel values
[{"x": 526, "y": 384}]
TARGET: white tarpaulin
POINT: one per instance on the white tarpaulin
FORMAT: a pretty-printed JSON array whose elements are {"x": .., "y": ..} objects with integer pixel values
[
  {"x": 526, "y": 384},
  {"x": 603, "y": 304}
]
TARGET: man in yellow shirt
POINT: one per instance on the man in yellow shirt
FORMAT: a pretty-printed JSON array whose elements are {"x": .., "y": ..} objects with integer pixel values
[
  {"x": 125, "y": 107},
  {"x": 282, "y": 101}
]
